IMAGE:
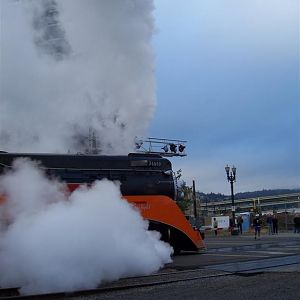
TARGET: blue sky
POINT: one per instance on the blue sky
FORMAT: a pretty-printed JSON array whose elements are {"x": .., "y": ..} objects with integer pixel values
[{"x": 227, "y": 75}]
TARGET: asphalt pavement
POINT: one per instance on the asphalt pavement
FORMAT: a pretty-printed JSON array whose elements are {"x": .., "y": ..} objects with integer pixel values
[
  {"x": 267, "y": 268},
  {"x": 230, "y": 249}
]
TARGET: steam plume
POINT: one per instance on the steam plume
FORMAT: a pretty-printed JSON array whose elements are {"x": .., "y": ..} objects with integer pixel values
[
  {"x": 68, "y": 66},
  {"x": 61, "y": 242}
]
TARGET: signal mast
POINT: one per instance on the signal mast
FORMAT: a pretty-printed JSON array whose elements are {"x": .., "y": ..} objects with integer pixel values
[{"x": 163, "y": 147}]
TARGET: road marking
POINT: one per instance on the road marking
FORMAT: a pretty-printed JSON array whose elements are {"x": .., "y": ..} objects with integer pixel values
[
  {"x": 245, "y": 255},
  {"x": 271, "y": 252},
  {"x": 227, "y": 242},
  {"x": 293, "y": 247},
  {"x": 255, "y": 265}
]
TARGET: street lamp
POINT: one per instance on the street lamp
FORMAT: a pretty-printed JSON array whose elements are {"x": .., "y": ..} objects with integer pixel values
[{"x": 231, "y": 177}]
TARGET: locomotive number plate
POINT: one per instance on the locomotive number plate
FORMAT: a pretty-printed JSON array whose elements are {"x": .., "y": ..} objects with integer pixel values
[{"x": 153, "y": 163}]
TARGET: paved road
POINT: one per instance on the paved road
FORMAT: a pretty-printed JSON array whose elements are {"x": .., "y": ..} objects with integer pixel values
[
  {"x": 266, "y": 269},
  {"x": 264, "y": 286},
  {"x": 234, "y": 249}
]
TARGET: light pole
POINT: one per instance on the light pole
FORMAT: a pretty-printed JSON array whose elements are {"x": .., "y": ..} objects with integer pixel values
[{"x": 231, "y": 177}]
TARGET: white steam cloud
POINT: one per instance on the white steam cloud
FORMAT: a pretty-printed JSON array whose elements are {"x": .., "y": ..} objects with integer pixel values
[
  {"x": 60, "y": 242},
  {"x": 68, "y": 66}
]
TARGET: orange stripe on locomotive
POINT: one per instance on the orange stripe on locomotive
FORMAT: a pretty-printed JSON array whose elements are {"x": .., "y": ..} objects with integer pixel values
[{"x": 173, "y": 225}]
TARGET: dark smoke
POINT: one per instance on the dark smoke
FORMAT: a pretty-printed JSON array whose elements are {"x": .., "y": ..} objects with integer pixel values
[{"x": 50, "y": 35}]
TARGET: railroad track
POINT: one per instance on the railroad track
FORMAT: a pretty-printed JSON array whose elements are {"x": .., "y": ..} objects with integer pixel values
[
  {"x": 152, "y": 280},
  {"x": 127, "y": 283},
  {"x": 9, "y": 292}
]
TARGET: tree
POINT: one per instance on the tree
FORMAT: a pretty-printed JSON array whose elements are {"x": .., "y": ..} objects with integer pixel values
[{"x": 184, "y": 192}]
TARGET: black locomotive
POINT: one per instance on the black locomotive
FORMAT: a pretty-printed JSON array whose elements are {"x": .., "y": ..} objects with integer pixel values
[{"x": 139, "y": 174}]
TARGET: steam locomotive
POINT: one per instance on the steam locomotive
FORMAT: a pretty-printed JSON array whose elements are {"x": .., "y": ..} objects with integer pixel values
[{"x": 146, "y": 181}]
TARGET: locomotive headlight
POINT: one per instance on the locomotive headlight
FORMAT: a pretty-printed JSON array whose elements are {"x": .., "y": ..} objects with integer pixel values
[{"x": 168, "y": 172}]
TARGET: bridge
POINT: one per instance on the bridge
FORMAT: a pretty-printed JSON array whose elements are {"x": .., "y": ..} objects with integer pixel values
[{"x": 285, "y": 202}]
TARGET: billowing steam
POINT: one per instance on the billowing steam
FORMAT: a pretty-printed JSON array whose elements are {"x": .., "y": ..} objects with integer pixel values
[
  {"x": 68, "y": 68},
  {"x": 60, "y": 242},
  {"x": 71, "y": 66}
]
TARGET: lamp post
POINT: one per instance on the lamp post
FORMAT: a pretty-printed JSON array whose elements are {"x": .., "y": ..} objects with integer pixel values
[{"x": 231, "y": 177}]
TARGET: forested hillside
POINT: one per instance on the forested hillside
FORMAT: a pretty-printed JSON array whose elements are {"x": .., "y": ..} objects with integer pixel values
[{"x": 220, "y": 197}]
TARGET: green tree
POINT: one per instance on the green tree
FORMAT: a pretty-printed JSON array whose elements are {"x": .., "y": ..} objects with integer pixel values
[{"x": 184, "y": 193}]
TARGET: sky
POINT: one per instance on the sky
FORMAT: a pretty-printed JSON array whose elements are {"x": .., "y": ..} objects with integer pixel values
[
  {"x": 223, "y": 75},
  {"x": 227, "y": 81}
]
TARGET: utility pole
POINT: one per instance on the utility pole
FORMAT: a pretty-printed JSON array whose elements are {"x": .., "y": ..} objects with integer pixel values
[{"x": 194, "y": 201}]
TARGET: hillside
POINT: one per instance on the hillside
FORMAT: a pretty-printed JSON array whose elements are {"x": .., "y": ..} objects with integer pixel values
[{"x": 220, "y": 197}]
